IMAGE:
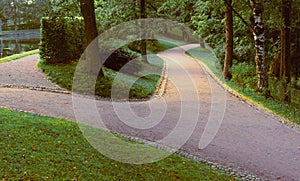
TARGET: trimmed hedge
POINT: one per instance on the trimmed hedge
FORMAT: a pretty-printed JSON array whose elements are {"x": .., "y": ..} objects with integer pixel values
[{"x": 62, "y": 39}]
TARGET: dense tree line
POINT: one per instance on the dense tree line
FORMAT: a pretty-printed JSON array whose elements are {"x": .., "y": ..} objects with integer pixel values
[
  {"x": 262, "y": 33},
  {"x": 22, "y": 14},
  {"x": 271, "y": 48},
  {"x": 255, "y": 31}
]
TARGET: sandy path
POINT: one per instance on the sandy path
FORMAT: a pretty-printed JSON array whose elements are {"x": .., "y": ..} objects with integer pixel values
[{"x": 248, "y": 139}]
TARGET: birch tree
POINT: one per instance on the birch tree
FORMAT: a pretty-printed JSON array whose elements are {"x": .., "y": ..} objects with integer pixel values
[{"x": 257, "y": 21}]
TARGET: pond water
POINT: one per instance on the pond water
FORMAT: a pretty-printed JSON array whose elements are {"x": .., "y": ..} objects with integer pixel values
[{"x": 13, "y": 43}]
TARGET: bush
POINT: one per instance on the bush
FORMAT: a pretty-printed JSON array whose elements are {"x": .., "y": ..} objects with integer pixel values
[
  {"x": 277, "y": 87},
  {"x": 244, "y": 75},
  {"x": 120, "y": 58},
  {"x": 62, "y": 39}
]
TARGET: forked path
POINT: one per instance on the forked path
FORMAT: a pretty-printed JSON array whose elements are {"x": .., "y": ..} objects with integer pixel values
[{"x": 246, "y": 138}]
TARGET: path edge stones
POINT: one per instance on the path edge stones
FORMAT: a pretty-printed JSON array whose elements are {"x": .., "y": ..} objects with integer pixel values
[{"x": 283, "y": 121}]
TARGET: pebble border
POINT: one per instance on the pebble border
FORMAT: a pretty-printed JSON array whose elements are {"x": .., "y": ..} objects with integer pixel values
[
  {"x": 236, "y": 173},
  {"x": 159, "y": 92},
  {"x": 283, "y": 121},
  {"x": 37, "y": 88},
  {"x": 161, "y": 85}
]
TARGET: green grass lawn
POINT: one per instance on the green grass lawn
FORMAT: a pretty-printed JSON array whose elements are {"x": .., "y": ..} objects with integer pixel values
[
  {"x": 17, "y": 56},
  {"x": 143, "y": 87},
  {"x": 161, "y": 45},
  {"x": 43, "y": 148},
  {"x": 289, "y": 112}
]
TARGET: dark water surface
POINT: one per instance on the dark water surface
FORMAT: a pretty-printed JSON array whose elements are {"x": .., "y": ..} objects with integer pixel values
[{"x": 16, "y": 42}]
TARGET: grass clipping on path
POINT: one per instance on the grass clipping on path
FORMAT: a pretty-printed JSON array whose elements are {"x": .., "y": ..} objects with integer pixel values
[
  {"x": 17, "y": 56},
  {"x": 284, "y": 110},
  {"x": 43, "y": 148}
]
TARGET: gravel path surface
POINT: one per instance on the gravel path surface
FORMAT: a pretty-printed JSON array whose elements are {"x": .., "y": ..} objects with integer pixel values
[
  {"x": 248, "y": 139},
  {"x": 24, "y": 73}
]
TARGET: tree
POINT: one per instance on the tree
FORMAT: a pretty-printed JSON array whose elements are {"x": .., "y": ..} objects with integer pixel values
[
  {"x": 9, "y": 10},
  {"x": 92, "y": 64},
  {"x": 143, "y": 31},
  {"x": 229, "y": 40},
  {"x": 25, "y": 14},
  {"x": 259, "y": 39},
  {"x": 1, "y": 22},
  {"x": 207, "y": 21},
  {"x": 32, "y": 11},
  {"x": 285, "y": 59}
]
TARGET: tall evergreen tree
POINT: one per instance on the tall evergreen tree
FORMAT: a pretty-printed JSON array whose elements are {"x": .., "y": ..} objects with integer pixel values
[{"x": 285, "y": 59}]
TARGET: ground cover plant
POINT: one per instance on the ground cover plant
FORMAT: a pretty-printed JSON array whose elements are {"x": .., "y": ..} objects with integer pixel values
[{"x": 43, "y": 148}]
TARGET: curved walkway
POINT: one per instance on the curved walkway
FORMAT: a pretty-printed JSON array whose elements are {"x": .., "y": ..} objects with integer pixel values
[
  {"x": 248, "y": 139},
  {"x": 23, "y": 73}
]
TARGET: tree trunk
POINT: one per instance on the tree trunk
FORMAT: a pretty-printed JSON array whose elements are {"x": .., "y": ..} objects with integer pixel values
[
  {"x": 229, "y": 40},
  {"x": 285, "y": 60},
  {"x": 1, "y": 48},
  {"x": 1, "y": 26},
  {"x": 185, "y": 34},
  {"x": 202, "y": 43},
  {"x": 259, "y": 38},
  {"x": 93, "y": 62},
  {"x": 294, "y": 61},
  {"x": 15, "y": 16},
  {"x": 143, "y": 31}
]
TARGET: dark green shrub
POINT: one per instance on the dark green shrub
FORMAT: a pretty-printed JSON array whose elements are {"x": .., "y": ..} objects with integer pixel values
[
  {"x": 244, "y": 75},
  {"x": 277, "y": 87},
  {"x": 121, "y": 57},
  {"x": 62, "y": 39}
]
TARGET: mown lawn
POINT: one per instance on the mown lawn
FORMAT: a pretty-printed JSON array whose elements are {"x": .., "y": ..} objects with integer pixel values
[
  {"x": 140, "y": 86},
  {"x": 43, "y": 148},
  {"x": 17, "y": 56}
]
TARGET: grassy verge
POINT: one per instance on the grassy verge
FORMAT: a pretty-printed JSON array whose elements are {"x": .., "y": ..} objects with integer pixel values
[
  {"x": 161, "y": 45},
  {"x": 143, "y": 87},
  {"x": 17, "y": 56},
  {"x": 43, "y": 148},
  {"x": 289, "y": 112}
]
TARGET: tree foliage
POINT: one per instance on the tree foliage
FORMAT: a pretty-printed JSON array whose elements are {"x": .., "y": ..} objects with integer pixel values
[
  {"x": 207, "y": 19},
  {"x": 24, "y": 14}
]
